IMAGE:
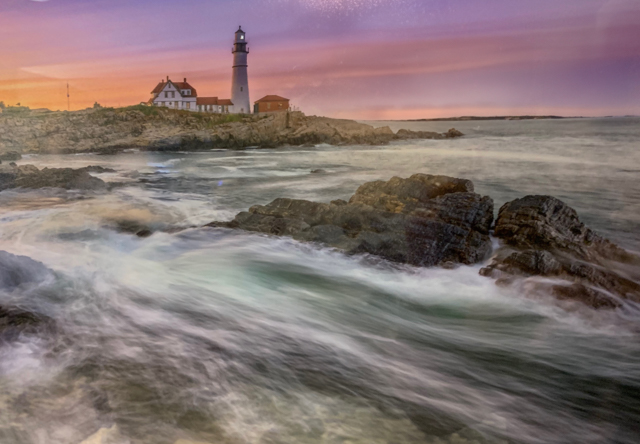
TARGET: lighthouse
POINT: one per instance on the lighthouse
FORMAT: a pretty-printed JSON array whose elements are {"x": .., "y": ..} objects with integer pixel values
[{"x": 240, "y": 83}]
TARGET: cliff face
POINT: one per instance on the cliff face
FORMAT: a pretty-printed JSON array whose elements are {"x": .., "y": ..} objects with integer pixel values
[{"x": 111, "y": 130}]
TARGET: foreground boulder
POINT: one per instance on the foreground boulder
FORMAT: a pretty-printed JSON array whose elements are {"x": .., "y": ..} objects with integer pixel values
[
  {"x": 544, "y": 237},
  {"x": 19, "y": 273},
  {"x": 29, "y": 176},
  {"x": 423, "y": 220}
]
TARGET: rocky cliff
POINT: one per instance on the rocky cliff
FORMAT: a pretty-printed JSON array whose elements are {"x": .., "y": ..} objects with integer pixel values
[{"x": 148, "y": 128}]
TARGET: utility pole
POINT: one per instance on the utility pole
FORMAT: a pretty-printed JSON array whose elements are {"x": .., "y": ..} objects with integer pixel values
[{"x": 68, "y": 99}]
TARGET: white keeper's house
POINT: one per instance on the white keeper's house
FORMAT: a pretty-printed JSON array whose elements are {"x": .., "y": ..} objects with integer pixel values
[{"x": 181, "y": 95}]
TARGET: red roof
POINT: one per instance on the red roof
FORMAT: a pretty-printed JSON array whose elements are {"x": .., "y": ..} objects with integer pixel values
[
  {"x": 207, "y": 101},
  {"x": 179, "y": 85},
  {"x": 185, "y": 85},
  {"x": 158, "y": 88},
  {"x": 272, "y": 98},
  {"x": 225, "y": 102}
]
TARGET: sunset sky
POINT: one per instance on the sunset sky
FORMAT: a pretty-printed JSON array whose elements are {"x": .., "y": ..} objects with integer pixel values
[{"x": 363, "y": 59}]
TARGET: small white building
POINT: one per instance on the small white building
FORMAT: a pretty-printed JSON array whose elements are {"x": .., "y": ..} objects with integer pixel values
[{"x": 181, "y": 95}]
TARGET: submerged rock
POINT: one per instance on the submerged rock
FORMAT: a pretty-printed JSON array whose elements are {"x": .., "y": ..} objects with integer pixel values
[
  {"x": 404, "y": 134},
  {"x": 423, "y": 220},
  {"x": 133, "y": 227},
  {"x": 550, "y": 241},
  {"x": 15, "y": 322},
  {"x": 29, "y": 176},
  {"x": 10, "y": 156},
  {"x": 96, "y": 169},
  {"x": 18, "y": 271}
]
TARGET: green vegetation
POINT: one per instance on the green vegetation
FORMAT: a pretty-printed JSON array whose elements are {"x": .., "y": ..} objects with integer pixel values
[
  {"x": 16, "y": 109},
  {"x": 2, "y": 105}
]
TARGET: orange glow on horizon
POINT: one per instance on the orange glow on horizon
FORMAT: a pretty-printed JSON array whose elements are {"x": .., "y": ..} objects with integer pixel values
[{"x": 371, "y": 77}]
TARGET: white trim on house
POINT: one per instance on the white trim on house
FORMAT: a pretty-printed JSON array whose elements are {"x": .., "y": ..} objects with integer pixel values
[{"x": 172, "y": 97}]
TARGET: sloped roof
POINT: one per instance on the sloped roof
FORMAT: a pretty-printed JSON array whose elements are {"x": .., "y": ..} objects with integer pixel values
[
  {"x": 185, "y": 85},
  {"x": 159, "y": 87},
  {"x": 271, "y": 98},
  {"x": 179, "y": 86},
  {"x": 225, "y": 102},
  {"x": 207, "y": 101}
]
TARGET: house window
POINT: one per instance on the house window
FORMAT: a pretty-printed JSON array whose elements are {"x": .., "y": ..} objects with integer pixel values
[
  {"x": 188, "y": 105},
  {"x": 166, "y": 95},
  {"x": 268, "y": 106},
  {"x": 173, "y": 94},
  {"x": 241, "y": 88}
]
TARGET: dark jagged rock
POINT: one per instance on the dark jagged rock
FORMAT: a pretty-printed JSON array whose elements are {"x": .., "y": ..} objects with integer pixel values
[
  {"x": 452, "y": 133},
  {"x": 424, "y": 220},
  {"x": 550, "y": 241},
  {"x": 548, "y": 223},
  {"x": 28, "y": 176}
]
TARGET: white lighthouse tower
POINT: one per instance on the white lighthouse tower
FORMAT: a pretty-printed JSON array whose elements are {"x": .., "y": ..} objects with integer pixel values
[{"x": 240, "y": 84}]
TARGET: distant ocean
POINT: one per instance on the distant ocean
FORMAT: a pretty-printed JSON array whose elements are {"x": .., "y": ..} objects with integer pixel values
[{"x": 229, "y": 337}]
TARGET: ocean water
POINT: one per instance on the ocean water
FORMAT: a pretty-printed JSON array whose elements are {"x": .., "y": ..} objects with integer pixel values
[{"x": 218, "y": 336}]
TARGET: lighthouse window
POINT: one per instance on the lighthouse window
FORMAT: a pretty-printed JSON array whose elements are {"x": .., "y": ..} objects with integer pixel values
[
  {"x": 241, "y": 37},
  {"x": 241, "y": 88}
]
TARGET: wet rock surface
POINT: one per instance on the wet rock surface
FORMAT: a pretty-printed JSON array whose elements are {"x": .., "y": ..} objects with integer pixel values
[
  {"x": 423, "y": 220},
  {"x": 15, "y": 322},
  {"x": 18, "y": 273},
  {"x": 29, "y": 176},
  {"x": 544, "y": 237}
]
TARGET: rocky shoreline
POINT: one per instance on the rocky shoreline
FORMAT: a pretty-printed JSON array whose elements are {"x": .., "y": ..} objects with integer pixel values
[
  {"x": 111, "y": 130},
  {"x": 430, "y": 220},
  {"x": 423, "y": 221}
]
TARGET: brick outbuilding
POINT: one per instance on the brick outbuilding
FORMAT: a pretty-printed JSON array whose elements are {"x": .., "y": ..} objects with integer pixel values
[{"x": 270, "y": 104}]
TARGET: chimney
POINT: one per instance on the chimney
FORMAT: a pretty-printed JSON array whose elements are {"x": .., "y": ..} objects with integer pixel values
[
  {"x": 185, "y": 80},
  {"x": 167, "y": 78}
]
